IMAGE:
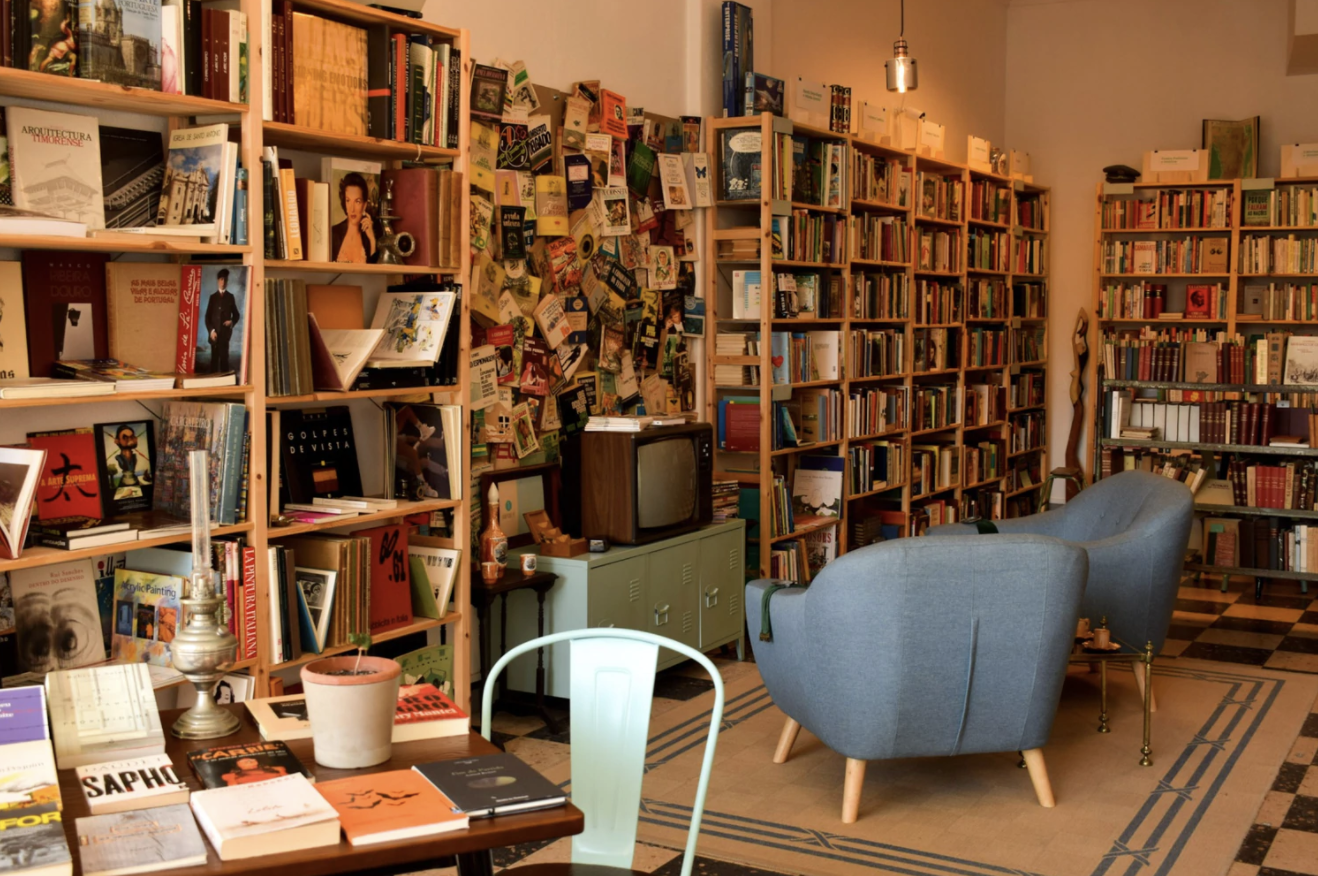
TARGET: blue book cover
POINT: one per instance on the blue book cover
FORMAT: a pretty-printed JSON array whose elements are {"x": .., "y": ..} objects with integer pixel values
[
  {"x": 738, "y": 56},
  {"x": 23, "y": 715},
  {"x": 239, "y": 233}
]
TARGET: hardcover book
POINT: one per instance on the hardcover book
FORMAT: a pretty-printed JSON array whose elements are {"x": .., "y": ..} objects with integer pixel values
[
  {"x": 222, "y": 339},
  {"x": 119, "y": 42},
  {"x": 124, "y": 465},
  {"x": 144, "y": 841},
  {"x": 219, "y": 428},
  {"x": 195, "y": 178},
  {"x": 147, "y": 614},
  {"x": 13, "y": 325},
  {"x": 414, "y": 324},
  {"x": 27, "y": 775},
  {"x": 318, "y": 454},
  {"x": 426, "y": 455},
  {"x": 142, "y": 309},
  {"x": 492, "y": 784},
  {"x": 284, "y": 815},
  {"x": 388, "y": 806},
  {"x": 390, "y": 587},
  {"x": 354, "y": 195},
  {"x": 329, "y": 76},
  {"x": 103, "y": 713},
  {"x": 139, "y": 783},
  {"x": 57, "y": 616},
  {"x": 69, "y": 486},
  {"x": 20, "y": 469},
  {"x": 132, "y": 172},
  {"x": 64, "y": 294},
  {"x": 23, "y": 714},
  {"x": 244, "y": 764},
  {"x": 51, "y": 28}
]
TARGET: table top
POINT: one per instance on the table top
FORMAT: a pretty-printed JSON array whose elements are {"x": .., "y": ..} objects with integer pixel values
[
  {"x": 483, "y": 834},
  {"x": 513, "y": 579}
]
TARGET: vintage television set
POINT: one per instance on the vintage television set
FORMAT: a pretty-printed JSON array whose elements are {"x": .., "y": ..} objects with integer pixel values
[{"x": 638, "y": 487}]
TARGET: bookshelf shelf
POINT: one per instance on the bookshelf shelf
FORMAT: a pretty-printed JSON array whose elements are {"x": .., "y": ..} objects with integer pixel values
[
  {"x": 158, "y": 395},
  {"x": 1015, "y": 453},
  {"x": 985, "y": 483},
  {"x": 801, "y": 531},
  {"x": 42, "y": 556},
  {"x": 352, "y": 13},
  {"x": 1198, "y": 229},
  {"x": 288, "y": 136},
  {"x": 124, "y": 243},
  {"x": 892, "y": 502},
  {"x": 819, "y": 208},
  {"x": 1165, "y": 276},
  {"x": 1217, "y": 448},
  {"x": 1252, "y": 573},
  {"x": 404, "y": 509},
  {"x": 417, "y": 626},
  {"x": 1033, "y": 488},
  {"x": 1282, "y": 274},
  {"x": 105, "y": 96},
  {"x": 996, "y": 424},
  {"x": 331, "y": 397},
  {"x": 805, "y": 448},
  {"x": 935, "y": 492},
  {"x": 1244, "y": 511},
  {"x": 1248, "y": 228},
  {"x": 351, "y": 268}
]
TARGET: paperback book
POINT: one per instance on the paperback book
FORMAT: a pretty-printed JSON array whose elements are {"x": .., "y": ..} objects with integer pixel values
[
  {"x": 138, "y": 783},
  {"x": 139, "y": 841},
  {"x": 245, "y": 764},
  {"x": 147, "y": 613},
  {"x": 120, "y": 41},
  {"x": 57, "y": 617}
]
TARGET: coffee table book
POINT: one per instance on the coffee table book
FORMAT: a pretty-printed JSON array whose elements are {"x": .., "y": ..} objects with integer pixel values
[
  {"x": 143, "y": 841},
  {"x": 104, "y": 713},
  {"x": 389, "y": 806},
  {"x": 492, "y": 784},
  {"x": 425, "y": 713},
  {"x": 138, "y": 783},
  {"x": 250, "y": 763},
  {"x": 266, "y": 818}
]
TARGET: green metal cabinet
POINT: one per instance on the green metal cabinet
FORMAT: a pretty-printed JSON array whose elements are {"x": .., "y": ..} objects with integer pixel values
[{"x": 687, "y": 588}]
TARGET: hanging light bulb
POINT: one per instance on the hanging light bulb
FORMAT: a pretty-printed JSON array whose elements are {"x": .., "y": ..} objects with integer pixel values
[{"x": 901, "y": 69}]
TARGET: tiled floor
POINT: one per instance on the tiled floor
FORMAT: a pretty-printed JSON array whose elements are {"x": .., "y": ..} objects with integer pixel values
[{"x": 1279, "y": 631}]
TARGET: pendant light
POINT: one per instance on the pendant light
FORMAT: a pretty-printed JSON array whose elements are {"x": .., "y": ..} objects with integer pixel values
[{"x": 901, "y": 69}]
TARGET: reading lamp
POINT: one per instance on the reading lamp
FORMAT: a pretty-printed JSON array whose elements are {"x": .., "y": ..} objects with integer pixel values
[{"x": 901, "y": 69}]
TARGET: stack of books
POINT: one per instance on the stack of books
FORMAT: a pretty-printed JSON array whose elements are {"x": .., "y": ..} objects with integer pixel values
[{"x": 726, "y": 497}]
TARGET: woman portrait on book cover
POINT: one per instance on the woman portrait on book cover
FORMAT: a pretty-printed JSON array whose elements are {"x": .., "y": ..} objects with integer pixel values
[{"x": 355, "y": 199}]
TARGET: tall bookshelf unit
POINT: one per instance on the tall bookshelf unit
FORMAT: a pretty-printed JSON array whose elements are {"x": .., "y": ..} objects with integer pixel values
[
  {"x": 1238, "y": 317},
  {"x": 96, "y": 98},
  {"x": 904, "y": 275}
]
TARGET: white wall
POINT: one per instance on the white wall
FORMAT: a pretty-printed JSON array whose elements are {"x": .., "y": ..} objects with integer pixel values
[{"x": 1097, "y": 82}]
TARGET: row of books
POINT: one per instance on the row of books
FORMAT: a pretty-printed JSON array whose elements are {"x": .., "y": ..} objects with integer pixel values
[
  {"x": 876, "y": 353},
  {"x": 990, "y": 202},
  {"x": 875, "y": 237},
  {"x": 736, "y": 344},
  {"x": 940, "y": 196},
  {"x": 986, "y": 298},
  {"x": 938, "y": 250},
  {"x": 1176, "y": 355},
  {"x": 1170, "y": 210},
  {"x": 805, "y": 357},
  {"x": 936, "y": 406},
  {"x": 1143, "y": 300},
  {"x": 1028, "y": 256},
  {"x": 725, "y": 499},
  {"x": 880, "y": 295},
  {"x": 937, "y": 302},
  {"x": 985, "y": 403},
  {"x": 876, "y": 465},
  {"x": 1190, "y": 255},
  {"x": 807, "y": 295},
  {"x": 1291, "y": 206},
  {"x": 1264, "y": 543},
  {"x": 1026, "y": 431},
  {"x": 984, "y": 461},
  {"x": 878, "y": 179},
  {"x": 934, "y": 467},
  {"x": 1281, "y": 301},
  {"x": 810, "y": 237},
  {"x": 935, "y": 349},
  {"x": 986, "y": 347},
  {"x": 811, "y": 170},
  {"x": 1261, "y": 254},
  {"x": 990, "y": 250},
  {"x": 1027, "y": 389},
  {"x": 1031, "y": 213},
  {"x": 1029, "y": 344},
  {"x": 876, "y": 410}
]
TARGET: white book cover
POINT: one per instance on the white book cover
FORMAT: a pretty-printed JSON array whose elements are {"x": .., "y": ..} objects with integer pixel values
[
  {"x": 171, "y": 48},
  {"x": 140, "y": 841},
  {"x": 98, "y": 712},
  {"x": 672, "y": 179},
  {"x": 55, "y": 164},
  {"x": 414, "y": 324},
  {"x": 192, "y": 192},
  {"x": 27, "y": 774},
  {"x": 58, "y": 621},
  {"x": 318, "y": 230},
  {"x": 615, "y": 213},
  {"x": 552, "y": 319},
  {"x": 484, "y": 378},
  {"x": 135, "y": 783},
  {"x": 441, "y": 569},
  {"x": 13, "y": 325},
  {"x": 697, "y": 178},
  {"x": 824, "y": 350},
  {"x": 281, "y": 717},
  {"x": 809, "y": 103},
  {"x": 745, "y": 294},
  {"x": 252, "y": 810}
]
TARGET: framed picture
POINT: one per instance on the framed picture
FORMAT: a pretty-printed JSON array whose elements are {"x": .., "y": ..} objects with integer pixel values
[
  {"x": 1232, "y": 147},
  {"x": 521, "y": 491}
]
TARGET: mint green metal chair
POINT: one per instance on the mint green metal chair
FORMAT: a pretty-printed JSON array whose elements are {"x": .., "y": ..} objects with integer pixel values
[{"x": 612, "y": 686}]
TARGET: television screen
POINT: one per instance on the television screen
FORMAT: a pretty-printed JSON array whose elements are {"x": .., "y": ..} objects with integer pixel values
[{"x": 665, "y": 482}]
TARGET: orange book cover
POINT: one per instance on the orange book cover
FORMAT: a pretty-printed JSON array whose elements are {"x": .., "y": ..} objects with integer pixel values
[
  {"x": 377, "y": 807},
  {"x": 418, "y": 703},
  {"x": 336, "y": 307}
]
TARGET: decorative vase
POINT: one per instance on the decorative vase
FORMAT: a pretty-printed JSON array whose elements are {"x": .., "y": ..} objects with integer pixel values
[
  {"x": 494, "y": 543},
  {"x": 352, "y": 716}
]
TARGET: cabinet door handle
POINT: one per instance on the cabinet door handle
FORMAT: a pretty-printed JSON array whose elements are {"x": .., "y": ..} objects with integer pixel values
[
  {"x": 711, "y": 597},
  {"x": 658, "y": 609}
]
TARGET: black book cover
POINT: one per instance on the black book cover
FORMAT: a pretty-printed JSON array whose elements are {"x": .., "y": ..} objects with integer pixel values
[
  {"x": 454, "y": 101},
  {"x": 125, "y": 463},
  {"x": 491, "y": 784},
  {"x": 132, "y": 170},
  {"x": 394, "y": 378},
  {"x": 227, "y": 765},
  {"x": 318, "y": 454},
  {"x": 379, "y": 82}
]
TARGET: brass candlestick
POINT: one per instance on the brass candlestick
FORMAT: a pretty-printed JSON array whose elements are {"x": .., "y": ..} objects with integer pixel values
[{"x": 204, "y": 648}]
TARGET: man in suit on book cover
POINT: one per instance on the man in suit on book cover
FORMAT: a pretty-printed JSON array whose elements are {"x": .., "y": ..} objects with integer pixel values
[{"x": 222, "y": 314}]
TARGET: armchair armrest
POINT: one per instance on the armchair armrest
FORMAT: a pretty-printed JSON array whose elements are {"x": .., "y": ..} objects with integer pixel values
[{"x": 783, "y": 662}]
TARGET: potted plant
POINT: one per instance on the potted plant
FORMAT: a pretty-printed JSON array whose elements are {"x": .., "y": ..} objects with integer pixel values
[{"x": 351, "y": 703}]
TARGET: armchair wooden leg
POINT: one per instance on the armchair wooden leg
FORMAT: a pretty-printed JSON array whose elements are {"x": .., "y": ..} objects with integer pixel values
[
  {"x": 1043, "y": 789},
  {"x": 786, "y": 741},
  {"x": 851, "y": 787},
  {"x": 1138, "y": 669}
]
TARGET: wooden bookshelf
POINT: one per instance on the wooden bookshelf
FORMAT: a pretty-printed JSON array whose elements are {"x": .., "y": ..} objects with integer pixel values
[
  {"x": 752, "y": 220},
  {"x": 94, "y": 98}
]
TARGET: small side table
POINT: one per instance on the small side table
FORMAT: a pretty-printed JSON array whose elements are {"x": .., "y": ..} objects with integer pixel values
[{"x": 482, "y": 599}]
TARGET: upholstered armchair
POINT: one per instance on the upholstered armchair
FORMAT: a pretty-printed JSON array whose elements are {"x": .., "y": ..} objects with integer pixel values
[{"x": 917, "y": 647}]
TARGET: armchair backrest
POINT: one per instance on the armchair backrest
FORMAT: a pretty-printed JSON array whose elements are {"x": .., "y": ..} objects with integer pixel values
[
  {"x": 919, "y": 647},
  {"x": 1121, "y": 504}
]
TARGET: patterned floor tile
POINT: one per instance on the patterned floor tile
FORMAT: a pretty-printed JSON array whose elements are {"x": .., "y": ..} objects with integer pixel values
[
  {"x": 1293, "y": 661},
  {"x": 1252, "y": 625},
  {"x": 1302, "y": 644},
  {"x": 1242, "y": 639},
  {"x": 1289, "y": 777},
  {"x": 680, "y": 687},
  {"x": 1257, "y": 842},
  {"x": 1227, "y": 654},
  {"x": 1303, "y": 629},
  {"x": 1303, "y": 815},
  {"x": 1264, "y": 612},
  {"x": 1201, "y": 606},
  {"x": 1310, "y": 727},
  {"x": 1295, "y": 850}
]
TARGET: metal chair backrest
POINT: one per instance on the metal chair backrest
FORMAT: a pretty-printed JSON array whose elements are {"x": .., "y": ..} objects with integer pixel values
[{"x": 612, "y": 686}]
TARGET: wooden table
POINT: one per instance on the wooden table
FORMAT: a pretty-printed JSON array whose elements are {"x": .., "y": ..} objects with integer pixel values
[{"x": 471, "y": 846}]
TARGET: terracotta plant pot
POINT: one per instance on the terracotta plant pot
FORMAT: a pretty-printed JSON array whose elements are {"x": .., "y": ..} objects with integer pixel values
[{"x": 352, "y": 716}]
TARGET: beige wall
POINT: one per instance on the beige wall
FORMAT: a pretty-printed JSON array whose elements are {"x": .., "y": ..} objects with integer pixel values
[
  {"x": 1096, "y": 82},
  {"x": 959, "y": 44}
]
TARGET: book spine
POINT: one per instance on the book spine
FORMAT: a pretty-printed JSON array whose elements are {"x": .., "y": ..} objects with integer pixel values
[
  {"x": 236, "y": 30},
  {"x": 220, "y": 54},
  {"x": 232, "y": 461},
  {"x": 731, "y": 57},
  {"x": 240, "y": 207},
  {"x": 207, "y": 48},
  {"x": 276, "y": 53},
  {"x": 416, "y": 98},
  {"x": 399, "y": 85},
  {"x": 291, "y": 221},
  {"x": 249, "y": 603},
  {"x": 454, "y": 97},
  {"x": 185, "y": 359},
  {"x": 290, "y": 103}
]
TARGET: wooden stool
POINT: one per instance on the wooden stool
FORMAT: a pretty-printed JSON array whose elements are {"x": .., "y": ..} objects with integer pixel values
[{"x": 1067, "y": 474}]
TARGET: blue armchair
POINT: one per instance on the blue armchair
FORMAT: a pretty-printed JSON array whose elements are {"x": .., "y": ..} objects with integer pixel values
[{"x": 916, "y": 648}]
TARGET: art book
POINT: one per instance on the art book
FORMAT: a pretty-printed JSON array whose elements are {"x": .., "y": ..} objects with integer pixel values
[
  {"x": 146, "y": 616},
  {"x": 196, "y": 173},
  {"x": 141, "y": 841},
  {"x": 119, "y": 42},
  {"x": 390, "y": 585},
  {"x": 132, "y": 171},
  {"x": 389, "y": 806},
  {"x": 243, "y": 764},
  {"x": 138, "y": 783},
  {"x": 318, "y": 454},
  {"x": 354, "y": 190},
  {"x": 57, "y": 617},
  {"x": 423, "y": 457},
  {"x": 55, "y": 164},
  {"x": 64, "y": 298},
  {"x": 817, "y": 487},
  {"x": 329, "y": 74},
  {"x": 69, "y": 486},
  {"x": 20, "y": 470},
  {"x": 222, "y": 339},
  {"x": 49, "y": 28},
  {"x": 103, "y": 713},
  {"x": 414, "y": 325},
  {"x": 430, "y": 665}
]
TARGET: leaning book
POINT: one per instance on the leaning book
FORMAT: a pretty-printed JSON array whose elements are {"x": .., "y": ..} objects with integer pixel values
[
  {"x": 103, "y": 713},
  {"x": 55, "y": 164},
  {"x": 119, "y": 42},
  {"x": 141, "y": 841}
]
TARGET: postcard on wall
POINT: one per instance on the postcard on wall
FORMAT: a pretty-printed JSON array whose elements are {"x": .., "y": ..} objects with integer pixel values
[
  {"x": 663, "y": 268},
  {"x": 672, "y": 178},
  {"x": 696, "y": 166},
  {"x": 484, "y": 155},
  {"x": 614, "y": 211},
  {"x": 539, "y": 142},
  {"x": 484, "y": 377},
  {"x": 574, "y": 123},
  {"x": 524, "y": 431}
]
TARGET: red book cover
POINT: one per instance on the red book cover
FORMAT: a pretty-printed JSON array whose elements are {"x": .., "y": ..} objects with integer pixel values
[
  {"x": 416, "y": 202},
  {"x": 220, "y": 44},
  {"x": 400, "y": 86},
  {"x": 277, "y": 64},
  {"x": 64, "y": 297},
  {"x": 391, "y": 590},
  {"x": 185, "y": 356},
  {"x": 69, "y": 485},
  {"x": 249, "y": 602},
  {"x": 742, "y": 428},
  {"x": 420, "y": 703}
]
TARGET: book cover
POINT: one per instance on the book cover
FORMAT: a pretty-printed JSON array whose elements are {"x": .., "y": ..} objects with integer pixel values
[
  {"x": 414, "y": 324},
  {"x": 51, "y": 27},
  {"x": 13, "y": 325},
  {"x": 20, "y": 470},
  {"x": 487, "y": 90},
  {"x": 391, "y": 805},
  {"x": 139, "y": 841},
  {"x": 281, "y": 717},
  {"x": 329, "y": 75},
  {"x": 27, "y": 775},
  {"x": 817, "y": 487},
  {"x": 23, "y": 714},
  {"x": 672, "y": 179},
  {"x": 194, "y": 178},
  {"x": 740, "y": 162},
  {"x": 318, "y": 454},
  {"x": 142, "y": 308},
  {"x": 36, "y": 834},
  {"x": 551, "y": 206},
  {"x": 235, "y": 818},
  {"x": 146, "y": 616},
  {"x": 431, "y": 665},
  {"x": 492, "y": 784},
  {"x": 64, "y": 296},
  {"x": 57, "y": 618},
  {"x": 764, "y": 94},
  {"x": 315, "y": 589},
  {"x": 103, "y": 713},
  {"x": 576, "y": 120},
  {"x": 613, "y": 114},
  {"x": 390, "y": 584},
  {"x": 119, "y": 42},
  {"x": 222, "y": 341},
  {"x": 354, "y": 195},
  {"x": 553, "y": 321},
  {"x": 124, "y": 465},
  {"x": 69, "y": 486},
  {"x": 188, "y": 426},
  {"x": 422, "y": 706},
  {"x": 229, "y": 765},
  {"x": 136, "y": 783},
  {"x": 422, "y": 456},
  {"x": 132, "y": 173}
]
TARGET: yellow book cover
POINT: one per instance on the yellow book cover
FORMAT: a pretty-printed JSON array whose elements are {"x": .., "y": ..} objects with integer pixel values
[
  {"x": 329, "y": 75},
  {"x": 551, "y": 205}
]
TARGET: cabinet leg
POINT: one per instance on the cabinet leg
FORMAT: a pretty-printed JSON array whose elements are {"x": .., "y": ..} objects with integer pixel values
[
  {"x": 1258, "y": 589},
  {"x": 1102, "y": 687},
  {"x": 540, "y": 665},
  {"x": 741, "y": 647}
]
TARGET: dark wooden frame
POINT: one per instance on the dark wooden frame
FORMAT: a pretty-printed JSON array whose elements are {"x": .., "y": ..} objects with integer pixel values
[{"x": 551, "y": 475}]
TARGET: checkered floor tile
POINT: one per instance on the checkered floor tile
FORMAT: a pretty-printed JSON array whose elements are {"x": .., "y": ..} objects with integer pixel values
[{"x": 1277, "y": 631}]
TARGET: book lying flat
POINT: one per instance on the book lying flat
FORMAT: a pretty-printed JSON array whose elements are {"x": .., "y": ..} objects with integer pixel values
[
  {"x": 245, "y": 764},
  {"x": 492, "y": 784},
  {"x": 38, "y": 833},
  {"x": 138, "y": 783},
  {"x": 141, "y": 841},
  {"x": 388, "y": 806},
  {"x": 281, "y": 815},
  {"x": 27, "y": 775},
  {"x": 23, "y": 714},
  {"x": 281, "y": 717},
  {"x": 103, "y": 713}
]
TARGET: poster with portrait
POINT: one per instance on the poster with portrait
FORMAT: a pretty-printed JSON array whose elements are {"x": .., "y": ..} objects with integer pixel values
[{"x": 125, "y": 461}]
